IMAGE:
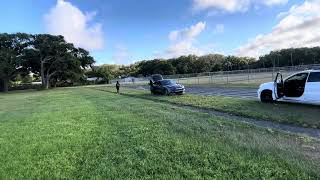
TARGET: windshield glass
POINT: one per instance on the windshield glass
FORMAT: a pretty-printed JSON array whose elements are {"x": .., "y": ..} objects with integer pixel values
[{"x": 168, "y": 82}]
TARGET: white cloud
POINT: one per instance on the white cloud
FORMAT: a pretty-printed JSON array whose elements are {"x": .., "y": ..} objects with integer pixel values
[
  {"x": 67, "y": 20},
  {"x": 233, "y": 5},
  {"x": 299, "y": 27},
  {"x": 187, "y": 33},
  {"x": 183, "y": 42},
  {"x": 274, "y": 2},
  {"x": 182, "y": 48},
  {"x": 122, "y": 55},
  {"x": 219, "y": 28}
]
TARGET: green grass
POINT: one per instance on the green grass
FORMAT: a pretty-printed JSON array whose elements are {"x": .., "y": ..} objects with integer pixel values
[
  {"x": 297, "y": 114},
  {"x": 85, "y": 133}
]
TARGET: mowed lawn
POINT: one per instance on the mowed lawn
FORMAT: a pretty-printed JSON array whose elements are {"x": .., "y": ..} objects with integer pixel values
[
  {"x": 86, "y": 133},
  {"x": 287, "y": 113}
]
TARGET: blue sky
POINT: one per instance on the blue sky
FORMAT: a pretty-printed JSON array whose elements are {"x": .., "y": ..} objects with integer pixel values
[{"x": 124, "y": 31}]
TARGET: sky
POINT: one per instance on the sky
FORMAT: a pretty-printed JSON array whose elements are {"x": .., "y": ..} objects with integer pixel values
[{"x": 127, "y": 31}]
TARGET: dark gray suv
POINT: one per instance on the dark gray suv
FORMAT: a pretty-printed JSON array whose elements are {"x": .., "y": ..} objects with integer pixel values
[{"x": 166, "y": 87}]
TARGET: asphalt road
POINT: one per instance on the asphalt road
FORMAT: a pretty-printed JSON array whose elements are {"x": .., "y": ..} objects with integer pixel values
[{"x": 219, "y": 91}]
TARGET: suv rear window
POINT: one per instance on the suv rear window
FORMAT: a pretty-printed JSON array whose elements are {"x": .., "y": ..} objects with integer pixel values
[
  {"x": 314, "y": 77},
  {"x": 156, "y": 77}
]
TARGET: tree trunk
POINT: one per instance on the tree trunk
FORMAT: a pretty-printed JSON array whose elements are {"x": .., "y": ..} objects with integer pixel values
[
  {"x": 1, "y": 85},
  {"x": 43, "y": 78},
  {"x": 47, "y": 83},
  {"x": 4, "y": 85},
  {"x": 54, "y": 83}
]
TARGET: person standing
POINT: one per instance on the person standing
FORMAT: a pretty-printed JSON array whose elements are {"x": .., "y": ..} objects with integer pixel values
[
  {"x": 151, "y": 87},
  {"x": 118, "y": 87}
]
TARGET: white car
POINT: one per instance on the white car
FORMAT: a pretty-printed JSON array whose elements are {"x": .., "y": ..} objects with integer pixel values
[{"x": 302, "y": 87}]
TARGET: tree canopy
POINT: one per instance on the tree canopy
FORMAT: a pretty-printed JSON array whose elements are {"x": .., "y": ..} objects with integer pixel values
[
  {"x": 53, "y": 58},
  {"x": 12, "y": 47},
  {"x": 48, "y": 56},
  {"x": 217, "y": 62},
  {"x": 192, "y": 64}
]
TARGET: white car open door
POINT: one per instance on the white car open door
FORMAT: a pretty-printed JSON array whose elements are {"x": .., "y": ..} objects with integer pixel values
[
  {"x": 278, "y": 86},
  {"x": 312, "y": 89},
  {"x": 294, "y": 87}
]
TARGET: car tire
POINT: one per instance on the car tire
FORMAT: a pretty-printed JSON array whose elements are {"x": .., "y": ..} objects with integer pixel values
[
  {"x": 166, "y": 92},
  {"x": 266, "y": 96}
]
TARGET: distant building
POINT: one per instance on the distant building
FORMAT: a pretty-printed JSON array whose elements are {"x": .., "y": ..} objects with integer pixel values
[
  {"x": 37, "y": 83},
  {"x": 129, "y": 79},
  {"x": 94, "y": 79}
]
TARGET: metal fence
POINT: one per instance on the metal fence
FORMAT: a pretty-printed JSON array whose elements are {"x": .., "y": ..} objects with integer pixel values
[{"x": 248, "y": 76}]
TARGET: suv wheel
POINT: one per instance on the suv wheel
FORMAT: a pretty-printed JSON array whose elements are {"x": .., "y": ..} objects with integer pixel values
[
  {"x": 166, "y": 92},
  {"x": 266, "y": 96}
]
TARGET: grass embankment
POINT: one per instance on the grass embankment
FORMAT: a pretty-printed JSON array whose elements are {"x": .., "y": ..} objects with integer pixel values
[
  {"x": 297, "y": 114},
  {"x": 81, "y": 133}
]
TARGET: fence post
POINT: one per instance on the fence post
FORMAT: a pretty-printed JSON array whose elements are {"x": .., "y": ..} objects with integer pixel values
[
  {"x": 227, "y": 77},
  {"x": 248, "y": 76}
]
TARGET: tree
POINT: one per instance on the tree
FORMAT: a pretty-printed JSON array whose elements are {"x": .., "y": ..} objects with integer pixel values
[
  {"x": 107, "y": 72},
  {"x": 213, "y": 62},
  {"x": 164, "y": 67},
  {"x": 53, "y": 58},
  {"x": 12, "y": 47},
  {"x": 83, "y": 56},
  {"x": 72, "y": 66},
  {"x": 217, "y": 62}
]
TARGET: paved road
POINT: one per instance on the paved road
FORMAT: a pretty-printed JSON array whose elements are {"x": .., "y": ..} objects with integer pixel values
[{"x": 219, "y": 91}]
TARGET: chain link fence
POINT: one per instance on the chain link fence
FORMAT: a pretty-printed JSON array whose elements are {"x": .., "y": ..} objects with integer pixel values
[{"x": 241, "y": 77}]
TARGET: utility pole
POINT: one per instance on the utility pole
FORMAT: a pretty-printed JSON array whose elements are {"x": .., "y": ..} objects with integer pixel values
[
  {"x": 291, "y": 60},
  {"x": 273, "y": 68},
  {"x": 248, "y": 72}
]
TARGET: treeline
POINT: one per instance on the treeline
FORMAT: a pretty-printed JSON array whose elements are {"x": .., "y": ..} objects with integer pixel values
[
  {"x": 289, "y": 57},
  {"x": 211, "y": 63},
  {"x": 193, "y": 64},
  {"x": 49, "y": 58},
  {"x": 181, "y": 65}
]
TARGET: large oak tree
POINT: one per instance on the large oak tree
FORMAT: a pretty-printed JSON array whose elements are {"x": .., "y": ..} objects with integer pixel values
[
  {"x": 53, "y": 58},
  {"x": 12, "y": 47}
]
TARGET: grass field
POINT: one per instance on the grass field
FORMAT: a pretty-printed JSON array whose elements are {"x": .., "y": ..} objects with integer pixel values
[
  {"x": 297, "y": 114},
  {"x": 85, "y": 133}
]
